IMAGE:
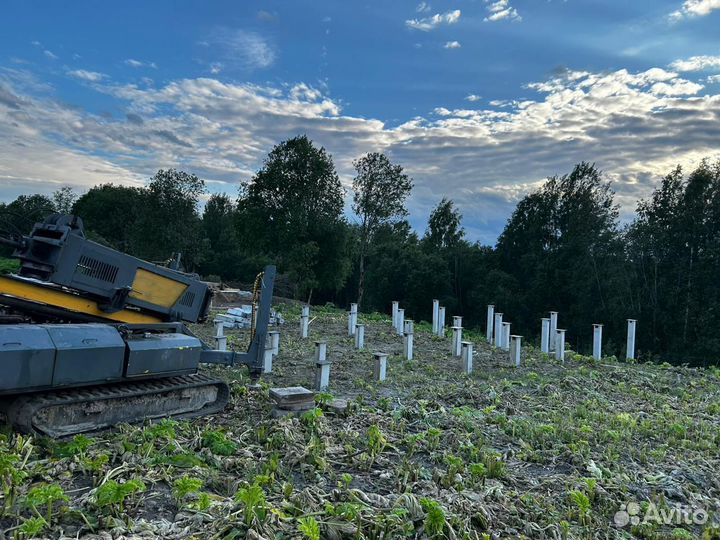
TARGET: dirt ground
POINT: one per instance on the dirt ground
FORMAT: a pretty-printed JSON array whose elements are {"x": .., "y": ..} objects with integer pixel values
[{"x": 582, "y": 449}]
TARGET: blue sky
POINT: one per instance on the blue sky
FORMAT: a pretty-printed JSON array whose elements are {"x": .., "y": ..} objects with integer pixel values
[{"x": 478, "y": 100}]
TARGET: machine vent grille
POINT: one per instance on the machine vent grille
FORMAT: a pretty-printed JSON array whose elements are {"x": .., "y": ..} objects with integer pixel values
[
  {"x": 188, "y": 299},
  {"x": 93, "y": 268}
]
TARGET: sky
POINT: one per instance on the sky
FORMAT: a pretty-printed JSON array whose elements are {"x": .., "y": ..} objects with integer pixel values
[{"x": 479, "y": 100}]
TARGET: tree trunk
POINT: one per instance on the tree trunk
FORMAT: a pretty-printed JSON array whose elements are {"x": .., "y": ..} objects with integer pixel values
[
  {"x": 361, "y": 280},
  {"x": 687, "y": 301}
]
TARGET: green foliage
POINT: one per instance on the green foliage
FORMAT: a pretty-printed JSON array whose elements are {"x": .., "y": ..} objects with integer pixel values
[
  {"x": 323, "y": 398},
  {"x": 113, "y": 495},
  {"x": 435, "y": 519},
  {"x": 380, "y": 190},
  {"x": 162, "y": 431},
  {"x": 582, "y": 506},
  {"x": 311, "y": 419},
  {"x": 110, "y": 214},
  {"x": 309, "y": 527},
  {"x": 186, "y": 485},
  {"x": 478, "y": 470},
  {"x": 64, "y": 199},
  {"x": 444, "y": 229},
  {"x": 299, "y": 192},
  {"x": 45, "y": 496},
  {"x": 11, "y": 475},
  {"x": 254, "y": 503},
  {"x": 79, "y": 445},
  {"x": 9, "y": 266},
  {"x": 218, "y": 443},
  {"x": 494, "y": 466},
  {"x": 562, "y": 247},
  {"x": 376, "y": 441},
  {"x": 32, "y": 527}
]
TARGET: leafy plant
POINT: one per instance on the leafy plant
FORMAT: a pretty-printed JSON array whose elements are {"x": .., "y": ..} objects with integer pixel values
[
  {"x": 164, "y": 430},
  {"x": 494, "y": 465},
  {"x": 113, "y": 495},
  {"x": 455, "y": 466},
  {"x": 435, "y": 520},
  {"x": 203, "y": 502},
  {"x": 376, "y": 441},
  {"x": 77, "y": 447},
  {"x": 186, "y": 486},
  {"x": 323, "y": 398},
  {"x": 255, "y": 505},
  {"x": 309, "y": 527},
  {"x": 11, "y": 476},
  {"x": 582, "y": 505},
  {"x": 477, "y": 471},
  {"x": 32, "y": 527},
  {"x": 433, "y": 438},
  {"x": 345, "y": 480},
  {"x": 46, "y": 496},
  {"x": 218, "y": 443},
  {"x": 311, "y": 419}
]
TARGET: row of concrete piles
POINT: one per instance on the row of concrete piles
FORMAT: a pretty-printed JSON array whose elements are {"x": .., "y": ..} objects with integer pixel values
[
  {"x": 357, "y": 331},
  {"x": 552, "y": 338},
  {"x": 497, "y": 332}
]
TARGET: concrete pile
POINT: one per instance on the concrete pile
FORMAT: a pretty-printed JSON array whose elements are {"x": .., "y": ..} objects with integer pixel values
[{"x": 241, "y": 318}]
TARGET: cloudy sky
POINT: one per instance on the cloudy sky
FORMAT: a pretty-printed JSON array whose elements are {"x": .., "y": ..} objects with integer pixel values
[{"x": 478, "y": 99}]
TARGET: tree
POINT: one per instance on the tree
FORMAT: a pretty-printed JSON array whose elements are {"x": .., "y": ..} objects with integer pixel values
[
  {"x": 110, "y": 214},
  {"x": 218, "y": 223},
  {"x": 562, "y": 249},
  {"x": 444, "y": 226},
  {"x": 293, "y": 209},
  {"x": 444, "y": 236},
  {"x": 64, "y": 199},
  {"x": 169, "y": 221},
  {"x": 674, "y": 250},
  {"x": 19, "y": 216},
  {"x": 381, "y": 189}
]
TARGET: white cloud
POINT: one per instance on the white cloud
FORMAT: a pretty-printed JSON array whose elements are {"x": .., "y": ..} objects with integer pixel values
[
  {"x": 500, "y": 10},
  {"x": 430, "y": 23},
  {"x": 697, "y": 63},
  {"x": 679, "y": 87},
  {"x": 50, "y": 54},
  {"x": 473, "y": 97},
  {"x": 452, "y": 45},
  {"x": 215, "y": 68},
  {"x": 91, "y": 76},
  {"x": 712, "y": 79},
  {"x": 243, "y": 49},
  {"x": 139, "y": 64},
  {"x": 695, "y": 8},
  {"x": 423, "y": 7},
  {"x": 635, "y": 125}
]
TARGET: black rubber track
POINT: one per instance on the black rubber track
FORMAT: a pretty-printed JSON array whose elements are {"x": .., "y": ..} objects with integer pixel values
[{"x": 22, "y": 412}]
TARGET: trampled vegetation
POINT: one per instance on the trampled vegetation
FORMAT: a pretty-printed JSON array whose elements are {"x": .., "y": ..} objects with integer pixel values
[{"x": 540, "y": 451}]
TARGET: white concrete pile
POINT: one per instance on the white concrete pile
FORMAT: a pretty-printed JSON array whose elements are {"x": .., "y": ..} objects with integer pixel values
[{"x": 241, "y": 318}]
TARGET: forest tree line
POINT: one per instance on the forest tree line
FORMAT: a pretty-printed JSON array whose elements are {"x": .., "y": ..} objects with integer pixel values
[{"x": 563, "y": 248}]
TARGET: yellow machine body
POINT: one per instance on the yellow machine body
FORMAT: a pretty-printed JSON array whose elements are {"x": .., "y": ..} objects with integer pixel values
[
  {"x": 34, "y": 293},
  {"x": 156, "y": 289}
]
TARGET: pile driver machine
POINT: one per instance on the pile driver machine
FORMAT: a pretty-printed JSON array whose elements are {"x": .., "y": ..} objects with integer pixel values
[{"x": 91, "y": 337}]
